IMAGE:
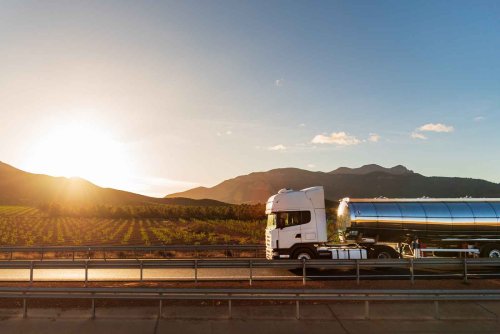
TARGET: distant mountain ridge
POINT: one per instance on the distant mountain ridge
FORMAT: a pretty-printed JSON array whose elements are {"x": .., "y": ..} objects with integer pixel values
[
  {"x": 366, "y": 181},
  {"x": 19, "y": 187},
  {"x": 372, "y": 168}
]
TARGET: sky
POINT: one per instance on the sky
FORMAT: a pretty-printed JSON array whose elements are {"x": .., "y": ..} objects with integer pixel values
[{"x": 156, "y": 97}]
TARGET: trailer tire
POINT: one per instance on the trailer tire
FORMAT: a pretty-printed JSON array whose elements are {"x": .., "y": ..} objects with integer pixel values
[
  {"x": 491, "y": 251},
  {"x": 383, "y": 252},
  {"x": 303, "y": 253}
]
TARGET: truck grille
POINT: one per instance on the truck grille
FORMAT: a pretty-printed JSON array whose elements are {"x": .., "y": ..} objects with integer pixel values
[{"x": 269, "y": 246}]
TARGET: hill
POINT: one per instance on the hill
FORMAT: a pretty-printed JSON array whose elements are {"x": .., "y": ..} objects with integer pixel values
[
  {"x": 366, "y": 181},
  {"x": 18, "y": 187}
]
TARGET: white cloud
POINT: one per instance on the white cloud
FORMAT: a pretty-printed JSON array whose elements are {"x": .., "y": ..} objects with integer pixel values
[
  {"x": 278, "y": 147},
  {"x": 478, "y": 118},
  {"x": 229, "y": 132},
  {"x": 302, "y": 125},
  {"x": 311, "y": 165},
  {"x": 338, "y": 138},
  {"x": 436, "y": 127},
  {"x": 279, "y": 82},
  {"x": 418, "y": 135},
  {"x": 430, "y": 127},
  {"x": 374, "y": 138}
]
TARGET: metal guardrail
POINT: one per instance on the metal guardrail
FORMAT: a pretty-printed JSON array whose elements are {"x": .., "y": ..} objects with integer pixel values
[
  {"x": 228, "y": 250},
  {"x": 351, "y": 269},
  {"x": 230, "y": 295}
]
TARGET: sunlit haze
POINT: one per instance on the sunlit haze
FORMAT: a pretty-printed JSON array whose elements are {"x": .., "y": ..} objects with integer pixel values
[{"x": 159, "y": 97}]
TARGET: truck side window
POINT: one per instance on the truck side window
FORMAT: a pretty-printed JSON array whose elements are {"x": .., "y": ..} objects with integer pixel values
[
  {"x": 305, "y": 217},
  {"x": 292, "y": 218}
]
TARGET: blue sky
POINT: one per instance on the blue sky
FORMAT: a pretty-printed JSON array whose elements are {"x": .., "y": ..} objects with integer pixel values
[{"x": 185, "y": 93}]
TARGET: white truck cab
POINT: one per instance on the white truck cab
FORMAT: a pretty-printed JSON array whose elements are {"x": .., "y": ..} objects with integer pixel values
[
  {"x": 296, "y": 221},
  {"x": 296, "y": 226}
]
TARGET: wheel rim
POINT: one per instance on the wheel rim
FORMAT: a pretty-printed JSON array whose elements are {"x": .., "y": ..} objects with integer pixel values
[
  {"x": 304, "y": 256},
  {"x": 494, "y": 253}
]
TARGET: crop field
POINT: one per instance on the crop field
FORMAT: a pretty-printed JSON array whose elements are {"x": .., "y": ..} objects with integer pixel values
[{"x": 25, "y": 226}]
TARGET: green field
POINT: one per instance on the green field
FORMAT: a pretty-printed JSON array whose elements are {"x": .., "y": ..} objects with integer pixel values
[{"x": 26, "y": 226}]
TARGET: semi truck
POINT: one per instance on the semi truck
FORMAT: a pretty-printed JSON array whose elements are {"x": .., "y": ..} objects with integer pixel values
[{"x": 380, "y": 227}]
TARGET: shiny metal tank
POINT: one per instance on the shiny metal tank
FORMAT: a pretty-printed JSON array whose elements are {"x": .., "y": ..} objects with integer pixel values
[{"x": 420, "y": 216}]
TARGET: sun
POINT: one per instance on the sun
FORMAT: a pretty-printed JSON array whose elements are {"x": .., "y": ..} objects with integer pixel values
[{"x": 81, "y": 150}]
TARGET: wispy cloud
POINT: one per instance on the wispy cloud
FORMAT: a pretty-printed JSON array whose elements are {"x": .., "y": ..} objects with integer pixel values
[
  {"x": 418, "y": 135},
  {"x": 337, "y": 138},
  {"x": 374, "y": 138},
  {"x": 478, "y": 118},
  {"x": 311, "y": 165},
  {"x": 278, "y": 147},
  {"x": 279, "y": 82},
  {"x": 430, "y": 127},
  {"x": 159, "y": 187},
  {"x": 436, "y": 127}
]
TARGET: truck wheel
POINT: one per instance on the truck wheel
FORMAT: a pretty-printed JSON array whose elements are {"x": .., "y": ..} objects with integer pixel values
[
  {"x": 383, "y": 252},
  {"x": 491, "y": 251},
  {"x": 303, "y": 253}
]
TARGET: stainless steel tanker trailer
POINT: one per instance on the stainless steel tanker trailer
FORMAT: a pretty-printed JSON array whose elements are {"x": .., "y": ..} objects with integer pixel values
[
  {"x": 381, "y": 227},
  {"x": 451, "y": 223}
]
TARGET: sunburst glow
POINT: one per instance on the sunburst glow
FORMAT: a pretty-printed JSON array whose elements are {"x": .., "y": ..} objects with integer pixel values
[{"x": 81, "y": 150}]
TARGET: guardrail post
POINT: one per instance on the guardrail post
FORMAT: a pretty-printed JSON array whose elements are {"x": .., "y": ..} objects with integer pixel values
[
  {"x": 465, "y": 269},
  {"x": 303, "y": 271},
  {"x": 92, "y": 310},
  {"x": 412, "y": 272},
  {"x": 251, "y": 272},
  {"x": 86, "y": 271},
  {"x": 357, "y": 272},
  {"x": 229, "y": 307},
  {"x": 160, "y": 307},
  {"x": 141, "y": 270},
  {"x": 196, "y": 270},
  {"x": 297, "y": 308},
  {"x": 25, "y": 308},
  {"x": 367, "y": 309},
  {"x": 436, "y": 309},
  {"x": 31, "y": 272}
]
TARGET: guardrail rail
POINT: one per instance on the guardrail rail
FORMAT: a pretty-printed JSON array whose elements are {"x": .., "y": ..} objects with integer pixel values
[
  {"x": 304, "y": 270},
  {"x": 229, "y": 295}
]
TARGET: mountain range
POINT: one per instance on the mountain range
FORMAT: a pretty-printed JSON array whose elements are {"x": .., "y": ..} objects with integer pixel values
[
  {"x": 20, "y": 187},
  {"x": 366, "y": 181}
]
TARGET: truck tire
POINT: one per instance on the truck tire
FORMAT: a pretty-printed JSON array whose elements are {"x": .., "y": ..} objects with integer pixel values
[
  {"x": 491, "y": 251},
  {"x": 303, "y": 253},
  {"x": 383, "y": 252}
]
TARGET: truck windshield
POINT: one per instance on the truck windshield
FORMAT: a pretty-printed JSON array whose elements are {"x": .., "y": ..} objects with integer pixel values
[{"x": 271, "y": 220}]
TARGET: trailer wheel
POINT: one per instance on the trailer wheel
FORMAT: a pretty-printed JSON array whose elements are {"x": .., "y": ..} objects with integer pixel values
[
  {"x": 383, "y": 252},
  {"x": 491, "y": 251},
  {"x": 303, "y": 253}
]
